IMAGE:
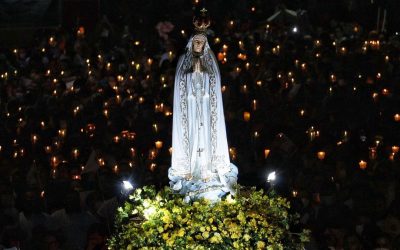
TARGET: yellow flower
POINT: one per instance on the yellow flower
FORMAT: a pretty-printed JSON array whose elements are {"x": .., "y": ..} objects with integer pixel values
[
  {"x": 176, "y": 210},
  {"x": 202, "y": 229},
  {"x": 160, "y": 229},
  {"x": 166, "y": 218},
  {"x": 205, "y": 235},
  {"x": 260, "y": 245},
  {"x": 210, "y": 220},
  {"x": 235, "y": 236},
  {"x": 236, "y": 244},
  {"x": 181, "y": 232},
  {"x": 171, "y": 241},
  {"x": 165, "y": 236},
  {"x": 216, "y": 238},
  {"x": 241, "y": 217},
  {"x": 246, "y": 237}
]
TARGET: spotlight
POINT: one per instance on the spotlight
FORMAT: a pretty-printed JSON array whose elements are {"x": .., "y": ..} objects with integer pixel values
[
  {"x": 127, "y": 185},
  {"x": 295, "y": 29},
  {"x": 271, "y": 177}
]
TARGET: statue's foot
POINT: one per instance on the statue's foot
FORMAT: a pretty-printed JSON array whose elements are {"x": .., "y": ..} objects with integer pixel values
[
  {"x": 206, "y": 179},
  {"x": 188, "y": 177}
]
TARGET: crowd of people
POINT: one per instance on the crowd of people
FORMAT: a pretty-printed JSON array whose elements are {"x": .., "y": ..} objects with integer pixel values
[{"x": 317, "y": 103}]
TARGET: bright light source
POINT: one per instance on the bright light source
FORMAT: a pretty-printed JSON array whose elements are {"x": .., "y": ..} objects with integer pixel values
[
  {"x": 295, "y": 29},
  {"x": 127, "y": 185},
  {"x": 271, "y": 176}
]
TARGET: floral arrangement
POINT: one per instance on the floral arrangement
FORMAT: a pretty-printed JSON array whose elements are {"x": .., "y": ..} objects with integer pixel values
[{"x": 162, "y": 220}]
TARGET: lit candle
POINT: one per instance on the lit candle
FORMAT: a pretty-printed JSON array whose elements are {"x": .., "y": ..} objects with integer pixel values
[
  {"x": 54, "y": 161},
  {"x": 61, "y": 132},
  {"x": 232, "y": 153},
  {"x": 75, "y": 153},
  {"x": 397, "y": 117},
  {"x": 321, "y": 155},
  {"x": 34, "y": 138},
  {"x": 395, "y": 149},
  {"x": 254, "y": 104},
  {"x": 54, "y": 173},
  {"x": 81, "y": 31},
  {"x": 391, "y": 156},
  {"x": 152, "y": 155},
  {"x": 311, "y": 133},
  {"x": 158, "y": 144},
  {"x": 362, "y": 164},
  {"x": 372, "y": 153},
  {"x": 155, "y": 127},
  {"x": 256, "y": 134},
  {"x": 266, "y": 153},
  {"x": 76, "y": 177},
  {"x": 153, "y": 167},
  {"x": 375, "y": 96},
  {"x": 133, "y": 152},
  {"x": 246, "y": 116},
  {"x": 294, "y": 193},
  {"x": 115, "y": 169},
  {"x": 116, "y": 139},
  {"x": 101, "y": 162},
  {"x": 333, "y": 78}
]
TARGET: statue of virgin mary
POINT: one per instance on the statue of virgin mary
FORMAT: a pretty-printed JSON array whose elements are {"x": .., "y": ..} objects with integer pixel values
[{"x": 200, "y": 157}]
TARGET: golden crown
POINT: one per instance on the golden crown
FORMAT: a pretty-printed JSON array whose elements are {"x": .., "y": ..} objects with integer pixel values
[{"x": 202, "y": 22}]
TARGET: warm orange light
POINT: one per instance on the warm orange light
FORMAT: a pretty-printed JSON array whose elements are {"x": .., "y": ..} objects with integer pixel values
[
  {"x": 362, "y": 164},
  {"x": 321, "y": 155},
  {"x": 372, "y": 153},
  {"x": 158, "y": 144},
  {"x": 266, "y": 153},
  {"x": 246, "y": 116}
]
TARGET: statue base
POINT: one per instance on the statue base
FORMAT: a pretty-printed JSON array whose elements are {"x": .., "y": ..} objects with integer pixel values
[{"x": 213, "y": 189}]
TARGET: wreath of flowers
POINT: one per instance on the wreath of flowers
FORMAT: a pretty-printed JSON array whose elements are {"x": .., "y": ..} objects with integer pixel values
[{"x": 162, "y": 220}]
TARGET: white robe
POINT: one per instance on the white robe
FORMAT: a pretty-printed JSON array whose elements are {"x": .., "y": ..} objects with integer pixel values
[{"x": 199, "y": 143}]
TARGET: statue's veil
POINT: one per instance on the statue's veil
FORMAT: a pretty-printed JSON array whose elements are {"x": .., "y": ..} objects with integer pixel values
[{"x": 180, "y": 139}]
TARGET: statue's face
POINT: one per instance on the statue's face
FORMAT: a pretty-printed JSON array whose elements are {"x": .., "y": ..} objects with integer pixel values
[{"x": 198, "y": 43}]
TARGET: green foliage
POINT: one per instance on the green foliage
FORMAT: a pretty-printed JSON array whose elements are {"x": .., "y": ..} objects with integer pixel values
[{"x": 162, "y": 220}]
